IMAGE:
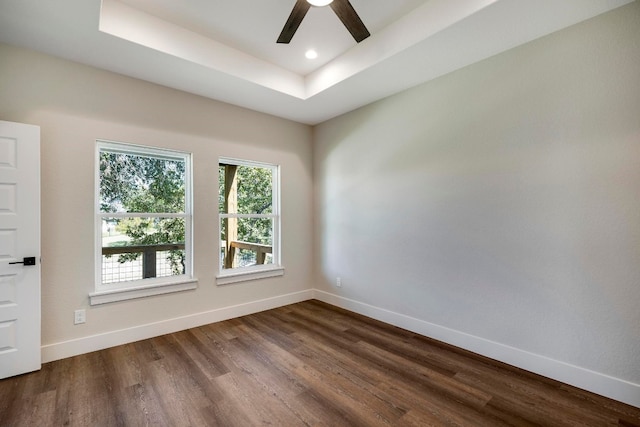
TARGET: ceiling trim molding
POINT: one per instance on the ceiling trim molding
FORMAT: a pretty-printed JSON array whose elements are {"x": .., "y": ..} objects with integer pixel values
[
  {"x": 434, "y": 39},
  {"x": 128, "y": 23},
  {"x": 125, "y": 22}
]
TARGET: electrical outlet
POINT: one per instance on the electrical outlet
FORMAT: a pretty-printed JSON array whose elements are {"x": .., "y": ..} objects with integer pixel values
[
  {"x": 339, "y": 282},
  {"x": 79, "y": 316}
]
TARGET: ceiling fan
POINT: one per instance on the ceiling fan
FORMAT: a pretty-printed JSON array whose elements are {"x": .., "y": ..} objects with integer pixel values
[{"x": 342, "y": 8}]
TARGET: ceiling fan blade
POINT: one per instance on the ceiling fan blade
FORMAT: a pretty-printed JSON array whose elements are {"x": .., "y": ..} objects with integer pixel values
[
  {"x": 298, "y": 13},
  {"x": 350, "y": 19}
]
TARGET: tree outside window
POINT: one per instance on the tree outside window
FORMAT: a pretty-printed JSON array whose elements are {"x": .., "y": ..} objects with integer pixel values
[
  {"x": 143, "y": 213},
  {"x": 249, "y": 217}
]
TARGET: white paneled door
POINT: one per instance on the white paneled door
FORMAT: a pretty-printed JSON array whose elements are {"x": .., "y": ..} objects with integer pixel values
[{"x": 19, "y": 248}]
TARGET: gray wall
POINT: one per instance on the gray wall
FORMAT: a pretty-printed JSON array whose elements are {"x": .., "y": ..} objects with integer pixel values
[{"x": 499, "y": 202}]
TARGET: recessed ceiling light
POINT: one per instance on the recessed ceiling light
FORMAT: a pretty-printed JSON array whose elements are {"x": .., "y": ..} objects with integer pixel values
[
  {"x": 311, "y": 54},
  {"x": 319, "y": 2}
]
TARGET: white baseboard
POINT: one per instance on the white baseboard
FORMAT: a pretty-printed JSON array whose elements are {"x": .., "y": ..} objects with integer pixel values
[
  {"x": 585, "y": 379},
  {"x": 91, "y": 343}
]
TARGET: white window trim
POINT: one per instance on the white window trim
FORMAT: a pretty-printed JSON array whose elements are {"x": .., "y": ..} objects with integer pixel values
[
  {"x": 106, "y": 293},
  {"x": 123, "y": 294},
  {"x": 243, "y": 274}
]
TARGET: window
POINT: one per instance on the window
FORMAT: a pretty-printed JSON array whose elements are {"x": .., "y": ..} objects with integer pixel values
[
  {"x": 249, "y": 220},
  {"x": 143, "y": 221}
]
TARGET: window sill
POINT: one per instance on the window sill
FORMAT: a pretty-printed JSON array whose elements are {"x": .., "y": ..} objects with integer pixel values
[
  {"x": 123, "y": 294},
  {"x": 243, "y": 276}
]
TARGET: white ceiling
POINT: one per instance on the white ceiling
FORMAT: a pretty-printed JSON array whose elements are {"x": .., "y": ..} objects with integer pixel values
[
  {"x": 253, "y": 26},
  {"x": 226, "y": 49}
]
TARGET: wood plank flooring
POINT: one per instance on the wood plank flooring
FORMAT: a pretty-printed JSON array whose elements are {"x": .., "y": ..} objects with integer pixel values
[{"x": 307, "y": 364}]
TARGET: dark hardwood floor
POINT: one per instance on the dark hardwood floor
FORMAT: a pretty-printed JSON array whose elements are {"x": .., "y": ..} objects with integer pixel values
[{"x": 308, "y": 364}]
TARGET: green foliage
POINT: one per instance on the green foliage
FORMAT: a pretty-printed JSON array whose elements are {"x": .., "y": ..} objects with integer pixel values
[
  {"x": 255, "y": 196},
  {"x": 141, "y": 184},
  {"x": 144, "y": 184},
  {"x": 254, "y": 190},
  {"x": 131, "y": 183}
]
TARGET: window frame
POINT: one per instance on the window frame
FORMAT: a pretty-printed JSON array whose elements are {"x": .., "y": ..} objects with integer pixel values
[
  {"x": 240, "y": 274},
  {"x": 117, "y": 291}
]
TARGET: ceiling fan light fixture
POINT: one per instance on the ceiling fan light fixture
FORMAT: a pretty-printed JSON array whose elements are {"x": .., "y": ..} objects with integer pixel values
[
  {"x": 319, "y": 3},
  {"x": 342, "y": 8}
]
